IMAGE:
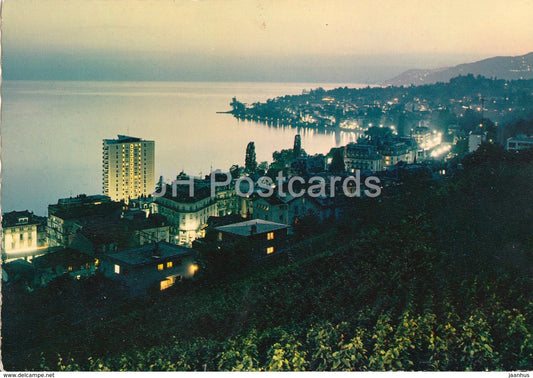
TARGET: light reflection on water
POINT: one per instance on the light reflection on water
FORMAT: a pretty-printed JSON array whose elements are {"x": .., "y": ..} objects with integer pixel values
[{"x": 52, "y": 132}]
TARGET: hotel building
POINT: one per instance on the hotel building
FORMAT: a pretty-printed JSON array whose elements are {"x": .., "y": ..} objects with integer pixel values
[
  {"x": 187, "y": 215},
  {"x": 23, "y": 235},
  {"x": 128, "y": 168}
]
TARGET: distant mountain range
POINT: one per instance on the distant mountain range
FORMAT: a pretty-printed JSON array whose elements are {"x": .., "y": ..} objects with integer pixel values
[{"x": 502, "y": 67}]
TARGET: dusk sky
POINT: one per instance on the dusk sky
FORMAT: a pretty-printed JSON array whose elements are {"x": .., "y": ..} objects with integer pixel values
[{"x": 232, "y": 40}]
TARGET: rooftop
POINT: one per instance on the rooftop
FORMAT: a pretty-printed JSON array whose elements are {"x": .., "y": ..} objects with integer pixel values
[
  {"x": 202, "y": 191},
  {"x": 85, "y": 208},
  {"x": 213, "y": 221},
  {"x": 397, "y": 148},
  {"x": 117, "y": 230},
  {"x": 149, "y": 254},
  {"x": 67, "y": 256},
  {"x": 521, "y": 138},
  {"x": 360, "y": 150},
  {"x": 19, "y": 218},
  {"x": 273, "y": 200},
  {"x": 105, "y": 230},
  {"x": 124, "y": 139},
  {"x": 81, "y": 199},
  {"x": 245, "y": 228}
]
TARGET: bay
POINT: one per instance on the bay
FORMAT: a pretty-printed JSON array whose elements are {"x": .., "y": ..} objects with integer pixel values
[{"x": 52, "y": 132}]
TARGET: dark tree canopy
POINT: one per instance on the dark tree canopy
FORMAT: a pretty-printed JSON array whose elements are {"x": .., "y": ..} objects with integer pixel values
[
  {"x": 250, "y": 162},
  {"x": 376, "y": 133},
  {"x": 337, "y": 161},
  {"x": 297, "y": 145}
]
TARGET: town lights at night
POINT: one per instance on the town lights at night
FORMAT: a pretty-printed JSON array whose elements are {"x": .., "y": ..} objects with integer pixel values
[
  {"x": 442, "y": 149},
  {"x": 431, "y": 141}
]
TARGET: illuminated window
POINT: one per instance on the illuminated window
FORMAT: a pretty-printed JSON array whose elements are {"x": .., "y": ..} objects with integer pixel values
[
  {"x": 169, "y": 264},
  {"x": 165, "y": 284},
  {"x": 270, "y": 236},
  {"x": 270, "y": 250},
  {"x": 160, "y": 267},
  {"x": 117, "y": 269},
  {"x": 70, "y": 269}
]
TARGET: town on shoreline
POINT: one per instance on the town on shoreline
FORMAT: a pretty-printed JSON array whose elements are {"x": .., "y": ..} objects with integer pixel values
[
  {"x": 434, "y": 126},
  {"x": 404, "y": 235}
]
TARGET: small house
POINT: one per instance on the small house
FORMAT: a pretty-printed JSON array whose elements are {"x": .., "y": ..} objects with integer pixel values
[
  {"x": 64, "y": 261},
  {"x": 155, "y": 266},
  {"x": 265, "y": 237}
]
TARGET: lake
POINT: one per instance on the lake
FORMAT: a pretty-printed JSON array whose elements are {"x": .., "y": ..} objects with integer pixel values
[{"x": 52, "y": 132}]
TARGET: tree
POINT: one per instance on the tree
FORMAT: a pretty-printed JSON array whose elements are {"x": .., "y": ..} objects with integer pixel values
[
  {"x": 250, "y": 162},
  {"x": 443, "y": 119},
  {"x": 460, "y": 147},
  {"x": 262, "y": 168},
  {"x": 402, "y": 125},
  {"x": 490, "y": 130},
  {"x": 281, "y": 159},
  {"x": 297, "y": 150},
  {"x": 337, "y": 162},
  {"x": 236, "y": 171},
  {"x": 373, "y": 116},
  {"x": 469, "y": 121},
  {"x": 237, "y": 107},
  {"x": 376, "y": 133},
  {"x": 307, "y": 226}
]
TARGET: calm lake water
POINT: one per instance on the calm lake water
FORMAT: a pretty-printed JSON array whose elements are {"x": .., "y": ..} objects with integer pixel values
[{"x": 52, "y": 132}]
